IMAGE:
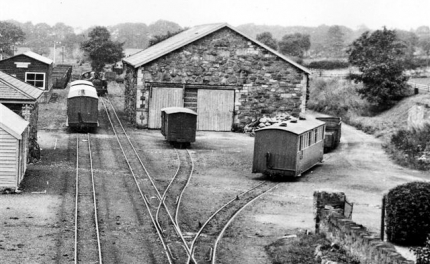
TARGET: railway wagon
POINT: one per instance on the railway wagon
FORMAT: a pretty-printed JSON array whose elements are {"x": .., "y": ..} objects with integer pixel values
[
  {"x": 288, "y": 149},
  {"x": 82, "y": 107},
  {"x": 98, "y": 80},
  {"x": 178, "y": 125},
  {"x": 333, "y": 132}
]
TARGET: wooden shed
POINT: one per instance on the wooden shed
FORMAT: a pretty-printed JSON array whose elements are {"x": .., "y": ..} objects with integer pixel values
[
  {"x": 13, "y": 149},
  {"x": 31, "y": 68},
  {"x": 178, "y": 124},
  {"x": 289, "y": 148}
]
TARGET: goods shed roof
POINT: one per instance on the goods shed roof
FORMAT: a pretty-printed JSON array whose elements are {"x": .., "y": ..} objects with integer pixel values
[
  {"x": 299, "y": 127},
  {"x": 11, "y": 122},
  {"x": 188, "y": 36},
  {"x": 12, "y": 88}
]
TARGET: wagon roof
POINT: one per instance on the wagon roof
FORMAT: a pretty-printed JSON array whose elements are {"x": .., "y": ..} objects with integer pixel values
[
  {"x": 11, "y": 122},
  {"x": 12, "y": 88},
  {"x": 172, "y": 110},
  {"x": 188, "y": 36},
  {"x": 77, "y": 82},
  {"x": 82, "y": 90},
  {"x": 298, "y": 128}
]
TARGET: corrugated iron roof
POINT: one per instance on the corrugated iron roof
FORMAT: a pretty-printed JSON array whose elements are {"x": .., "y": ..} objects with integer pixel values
[
  {"x": 12, "y": 88},
  {"x": 11, "y": 122},
  {"x": 296, "y": 128},
  {"x": 38, "y": 57},
  {"x": 188, "y": 36}
]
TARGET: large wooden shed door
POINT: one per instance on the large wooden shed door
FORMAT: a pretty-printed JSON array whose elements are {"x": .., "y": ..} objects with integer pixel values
[
  {"x": 161, "y": 98},
  {"x": 215, "y": 109}
]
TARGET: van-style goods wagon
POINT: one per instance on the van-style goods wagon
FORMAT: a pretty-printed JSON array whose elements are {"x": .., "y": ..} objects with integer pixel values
[
  {"x": 178, "y": 124},
  {"x": 288, "y": 148},
  {"x": 82, "y": 107},
  {"x": 13, "y": 149},
  {"x": 333, "y": 132}
]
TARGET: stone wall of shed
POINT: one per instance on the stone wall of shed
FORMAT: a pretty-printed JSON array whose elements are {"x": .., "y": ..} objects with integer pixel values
[{"x": 267, "y": 84}]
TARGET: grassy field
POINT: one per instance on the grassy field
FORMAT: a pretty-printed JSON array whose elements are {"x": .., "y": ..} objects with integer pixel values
[{"x": 425, "y": 81}]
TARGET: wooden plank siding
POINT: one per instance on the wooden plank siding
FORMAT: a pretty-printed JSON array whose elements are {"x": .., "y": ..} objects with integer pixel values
[
  {"x": 215, "y": 109},
  {"x": 8, "y": 159},
  {"x": 161, "y": 98}
]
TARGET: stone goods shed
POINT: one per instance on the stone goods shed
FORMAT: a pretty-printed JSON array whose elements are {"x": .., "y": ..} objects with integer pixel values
[
  {"x": 31, "y": 68},
  {"x": 225, "y": 76},
  {"x": 13, "y": 148},
  {"x": 23, "y": 99}
]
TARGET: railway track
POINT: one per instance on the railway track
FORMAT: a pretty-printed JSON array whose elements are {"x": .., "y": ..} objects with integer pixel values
[
  {"x": 205, "y": 243},
  {"x": 173, "y": 193},
  {"x": 174, "y": 245},
  {"x": 87, "y": 235}
]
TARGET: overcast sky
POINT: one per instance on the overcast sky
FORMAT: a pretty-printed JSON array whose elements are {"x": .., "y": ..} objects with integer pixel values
[{"x": 374, "y": 14}]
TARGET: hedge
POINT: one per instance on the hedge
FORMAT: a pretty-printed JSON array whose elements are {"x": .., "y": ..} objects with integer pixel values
[{"x": 408, "y": 213}]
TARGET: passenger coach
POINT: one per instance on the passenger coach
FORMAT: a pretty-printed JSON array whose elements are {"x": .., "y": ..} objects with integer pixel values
[
  {"x": 288, "y": 149},
  {"x": 82, "y": 107}
]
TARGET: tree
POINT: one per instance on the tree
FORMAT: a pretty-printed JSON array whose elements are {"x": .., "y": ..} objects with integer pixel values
[
  {"x": 335, "y": 41},
  {"x": 267, "y": 39},
  {"x": 101, "y": 49},
  {"x": 10, "y": 35},
  {"x": 158, "y": 38},
  {"x": 294, "y": 44},
  {"x": 379, "y": 57},
  {"x": 424, "y": 44},
  {"x": 410, "y": 39}
]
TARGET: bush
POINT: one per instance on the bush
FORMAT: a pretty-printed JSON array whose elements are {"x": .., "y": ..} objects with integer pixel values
[
  {"x": 328, "y": 64},
  {"x": 337, "y": 97},
  {"x": 408, "y": 213},
  {"x": 422, "y": 254},
  {"x": 412, "y": 147}
]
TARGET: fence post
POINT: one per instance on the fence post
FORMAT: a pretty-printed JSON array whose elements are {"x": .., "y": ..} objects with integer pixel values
[{"x": 383, "y": 218}]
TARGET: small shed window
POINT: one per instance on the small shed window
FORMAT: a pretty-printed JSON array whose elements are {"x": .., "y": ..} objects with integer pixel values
[{"x": 36, "y": 79}]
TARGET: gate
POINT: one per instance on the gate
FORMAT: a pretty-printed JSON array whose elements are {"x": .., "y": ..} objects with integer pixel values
[
  {"x": 161, "y": 98},
  {"x": 215, "y": 109}
]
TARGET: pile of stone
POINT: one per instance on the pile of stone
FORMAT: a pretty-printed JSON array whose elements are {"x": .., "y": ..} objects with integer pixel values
[{"x": 264, "y": 121}]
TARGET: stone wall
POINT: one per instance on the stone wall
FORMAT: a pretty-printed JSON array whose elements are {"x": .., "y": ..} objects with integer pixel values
[
  {"x": 30, "y": 112},
  {"x": 355, "y": 238},
  {"x": 266, "y": 84}
]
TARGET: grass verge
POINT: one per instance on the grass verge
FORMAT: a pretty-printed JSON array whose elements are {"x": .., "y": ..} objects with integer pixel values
[{"x": 409, "y": 148}]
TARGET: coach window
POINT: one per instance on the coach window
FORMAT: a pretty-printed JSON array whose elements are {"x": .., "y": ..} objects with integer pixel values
[{"x": 36, "y": 79}]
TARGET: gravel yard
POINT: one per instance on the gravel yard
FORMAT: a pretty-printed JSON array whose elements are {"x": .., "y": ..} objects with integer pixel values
[{"x": 37, "y": 224}]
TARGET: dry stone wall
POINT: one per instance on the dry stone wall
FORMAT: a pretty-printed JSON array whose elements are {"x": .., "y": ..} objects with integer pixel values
[
  {"x": 265, "y": 84},
  {"x": 30, "y": 113},
  {"x": 355, "y": 238}
]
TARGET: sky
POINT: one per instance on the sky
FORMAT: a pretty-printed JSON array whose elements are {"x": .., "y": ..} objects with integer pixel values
[{"x": 375, "y": 14}]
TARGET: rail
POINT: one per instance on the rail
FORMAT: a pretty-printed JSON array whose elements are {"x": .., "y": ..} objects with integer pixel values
[
  {"x": 82, "y": 202},
  {"x": 229, "y": 211},
  {"x": 154, "y": 215}
]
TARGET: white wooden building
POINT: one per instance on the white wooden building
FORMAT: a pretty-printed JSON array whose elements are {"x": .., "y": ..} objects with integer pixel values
[{"x": 13, "y": 149}]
